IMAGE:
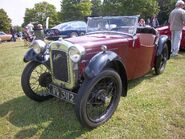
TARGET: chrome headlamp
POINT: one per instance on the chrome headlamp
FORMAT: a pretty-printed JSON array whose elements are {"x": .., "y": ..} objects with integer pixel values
[
  {"x": 75, "y": 53},
  {"x": 38, "y": 46}
]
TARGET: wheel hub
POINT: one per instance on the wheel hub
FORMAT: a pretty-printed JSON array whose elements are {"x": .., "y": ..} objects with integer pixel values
[
  {"x": 99, "y": 97},
  {"x": 45, "y": 79}
]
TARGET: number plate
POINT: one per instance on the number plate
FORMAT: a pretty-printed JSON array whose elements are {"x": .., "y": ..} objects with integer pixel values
[{"x": 62, "y": 93}]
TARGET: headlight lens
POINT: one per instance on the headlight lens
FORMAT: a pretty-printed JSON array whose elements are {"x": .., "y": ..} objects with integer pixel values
[
  {"x": 38, "y": 46},
  {"x": 74, "y": 54}
]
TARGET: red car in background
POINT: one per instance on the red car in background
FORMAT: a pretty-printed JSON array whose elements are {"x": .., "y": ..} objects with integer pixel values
[{"x": 165, "y": 30}]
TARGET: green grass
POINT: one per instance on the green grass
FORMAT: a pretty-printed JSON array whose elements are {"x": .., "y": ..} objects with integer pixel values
[{"x": 154, "y": 107}]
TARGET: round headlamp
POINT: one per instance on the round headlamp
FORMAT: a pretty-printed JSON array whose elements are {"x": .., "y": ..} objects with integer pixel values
[
  {"x": 76, "y": 53},
  {"x": 38, "y": 46}
]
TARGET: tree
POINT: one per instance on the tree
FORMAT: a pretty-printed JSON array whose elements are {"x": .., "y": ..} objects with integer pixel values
[
  {"x": 5, "y": 21},
  {"x": 75, "y": 9},
  {"x": 111, "y": 7},
  {"x": 166, "y": 6},
  {"x": 144, "y": 8},
  {"x": 18, "y": 28},
  {"x": 39, "y": 14},
  {"x": 96, "y": 7}
]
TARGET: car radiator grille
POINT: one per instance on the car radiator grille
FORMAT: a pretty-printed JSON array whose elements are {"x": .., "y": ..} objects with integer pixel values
[{"x": 60, "y": 67}]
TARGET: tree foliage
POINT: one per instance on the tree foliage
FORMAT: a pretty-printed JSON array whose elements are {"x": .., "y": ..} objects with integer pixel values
[
  {"x": 5, "y": 21},
  {"x": 111, "y": 7},
  {"x": 96, "y": 8},
  {"x": 17, "y": 28},
  {"x": 144, "y": 8},
  {"x": 75, "y": 9},
  {"x": 166, "y": 6},
  {"x": 39, "y": 14},
  {"x": 79, "y": 9}
]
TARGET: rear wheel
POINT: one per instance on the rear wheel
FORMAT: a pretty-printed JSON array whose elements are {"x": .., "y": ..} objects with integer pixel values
[
  {"x": 161, "y": 60},
  {"x": 73, "y": 34},
  {"x": 98, "y": 98},
  {"x": 35, "y": 81}
]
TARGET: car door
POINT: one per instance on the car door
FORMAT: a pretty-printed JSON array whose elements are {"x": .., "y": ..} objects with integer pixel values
[
  {"x": 128, "y": 50},
  {"x": 145, "y": 54}
]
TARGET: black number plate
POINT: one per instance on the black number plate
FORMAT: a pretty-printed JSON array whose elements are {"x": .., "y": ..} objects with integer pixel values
[{"x": 62, "y": 93}]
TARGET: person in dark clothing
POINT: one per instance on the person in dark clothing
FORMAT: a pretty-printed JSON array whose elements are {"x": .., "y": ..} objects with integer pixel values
[
  {"x": 154, "y": 22},
  {"x": 12, "y": 31},
  {"x": 39, "y": 32}
]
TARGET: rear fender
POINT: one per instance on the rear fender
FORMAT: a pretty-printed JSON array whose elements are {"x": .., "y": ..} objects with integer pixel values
[{"x": 162, "y": 40}]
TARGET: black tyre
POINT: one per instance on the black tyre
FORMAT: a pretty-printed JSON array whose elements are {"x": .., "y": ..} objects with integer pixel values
[
  {"x": 98, "y": 98},
  {"x": 73, "y": 34},
  {"x": 35, "y": 80},
  {"x": 161, "y": 60}
]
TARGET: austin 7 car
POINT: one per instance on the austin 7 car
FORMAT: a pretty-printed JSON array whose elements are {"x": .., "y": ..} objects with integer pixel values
[{"x": 92, "y": 71}]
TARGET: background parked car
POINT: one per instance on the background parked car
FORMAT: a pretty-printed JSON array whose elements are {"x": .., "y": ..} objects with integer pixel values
[
  {"x": 66, "y": 30},
  {"x": 165, "y": 30},
  {"x": 5, "y": 37}
]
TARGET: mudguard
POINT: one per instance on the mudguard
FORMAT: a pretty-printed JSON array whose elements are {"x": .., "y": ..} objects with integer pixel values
[
  {"x": 106, "y": 59},
  {"x": 98, "y": 63},
  {"x": 32, "y": 56},
  {"x": 162, "y": 40}
]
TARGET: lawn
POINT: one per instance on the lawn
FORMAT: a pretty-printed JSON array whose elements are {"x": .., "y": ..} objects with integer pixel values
[{"x": 154, "y": 107}]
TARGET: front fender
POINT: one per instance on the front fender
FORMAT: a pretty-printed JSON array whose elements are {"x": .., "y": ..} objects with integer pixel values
[
  {"x": 98, "y": 63},
  {"x": 103, "y": 60},
  {"x": 32, "y": 56}
]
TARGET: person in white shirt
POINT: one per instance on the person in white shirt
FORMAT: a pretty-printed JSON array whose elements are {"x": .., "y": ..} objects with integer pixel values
[
  {"x": 176, "y": 21},
  {"x": 30, "y": 27}
]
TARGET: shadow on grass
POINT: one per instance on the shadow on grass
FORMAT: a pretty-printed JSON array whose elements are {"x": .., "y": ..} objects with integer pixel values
[
  {"x": 51, "y": 119},
  {"x": 135, "y": 82}
]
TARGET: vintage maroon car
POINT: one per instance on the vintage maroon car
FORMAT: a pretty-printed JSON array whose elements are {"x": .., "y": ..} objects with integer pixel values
[
  {"x": 92, "y": 71},
  {"x": 165, "y": 30}
]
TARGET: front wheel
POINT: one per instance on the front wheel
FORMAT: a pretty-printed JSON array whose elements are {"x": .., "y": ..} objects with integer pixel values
[
  {"x": 98, "y": 98},
  {"x": 35, "y": 81},
  {"x": 161, "y": 60}
]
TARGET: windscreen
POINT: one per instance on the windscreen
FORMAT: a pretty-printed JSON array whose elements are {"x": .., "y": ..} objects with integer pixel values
[{"x": 121, "y": 24}]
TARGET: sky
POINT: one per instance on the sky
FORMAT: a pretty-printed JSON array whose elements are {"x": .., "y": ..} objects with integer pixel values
[{"x": 16, "y": 8}]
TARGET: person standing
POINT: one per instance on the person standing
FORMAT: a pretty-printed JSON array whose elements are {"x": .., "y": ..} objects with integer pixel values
[
  {"x": 154, "y": 22},
  {"x": 30, "y": 27},
  {"x": 39, "y": 32},
  {"x": 12, "y": 31},
  {"x": 142, "y": 22},
  {"x": 176, "y": 21},
  {"x": 148, "y": 21}
]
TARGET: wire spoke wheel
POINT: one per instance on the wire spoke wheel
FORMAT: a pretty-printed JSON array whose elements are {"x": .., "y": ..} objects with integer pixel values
[
  {"x": 98, "y": 98},
  {"x": 101, "y": 98},
  {"x": 39, "y": 81},
  {"x": 35, "y": 81}
]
